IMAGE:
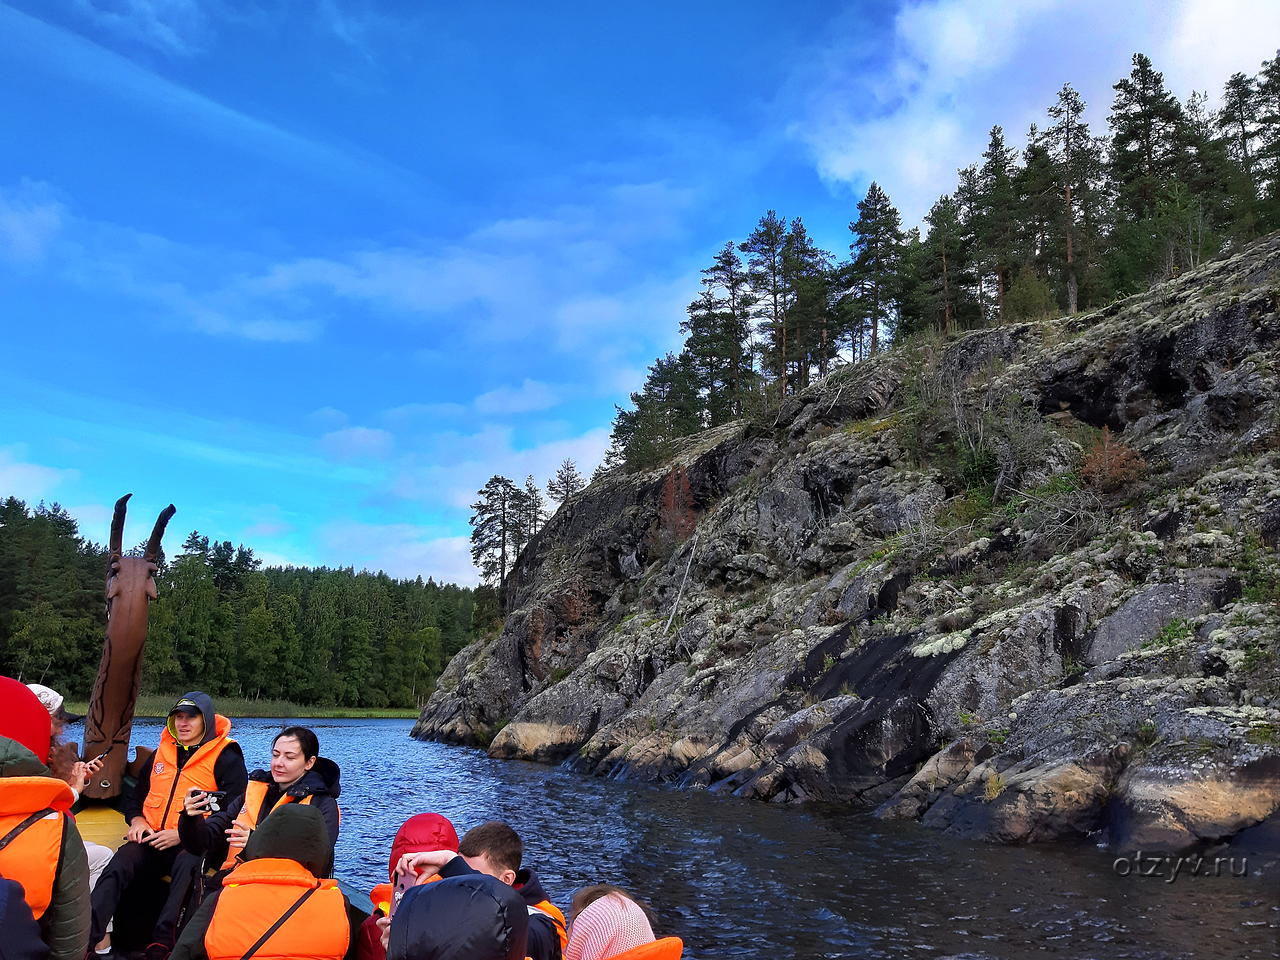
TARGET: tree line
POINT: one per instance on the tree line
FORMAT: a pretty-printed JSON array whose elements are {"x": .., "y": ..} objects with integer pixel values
[
  {"x": 223, "y": 623},
  {"x": 1070, "y": 222}
]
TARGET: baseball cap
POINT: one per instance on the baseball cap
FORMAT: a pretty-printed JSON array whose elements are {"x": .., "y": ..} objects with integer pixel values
[{"x": 54, "y": 702}]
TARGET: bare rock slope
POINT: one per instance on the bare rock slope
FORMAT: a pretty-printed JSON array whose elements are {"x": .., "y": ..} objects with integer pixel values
[{"x": 909, "y": 592}]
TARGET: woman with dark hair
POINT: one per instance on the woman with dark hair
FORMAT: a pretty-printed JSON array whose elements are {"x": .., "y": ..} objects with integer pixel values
[{"x": 298, "y": 774}]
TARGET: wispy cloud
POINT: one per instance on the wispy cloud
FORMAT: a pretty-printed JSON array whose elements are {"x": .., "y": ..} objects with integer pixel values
[
  {"x": 30, "y": 220},
  {"x": 173, "y": 27},
  {"x": 529, "y": 396},
  {"x": 358, "y": 443},
  {"x": 27, "y": 481},
  {"x": 402, "y": 550},
  {"x": 911, "y": 111}
]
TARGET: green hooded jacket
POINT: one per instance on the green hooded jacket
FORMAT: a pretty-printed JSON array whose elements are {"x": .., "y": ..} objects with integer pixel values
[{"x": 65, "y": 925}]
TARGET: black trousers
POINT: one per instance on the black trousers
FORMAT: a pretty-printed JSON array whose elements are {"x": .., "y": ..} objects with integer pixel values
[{"x": 140, "y": 864}]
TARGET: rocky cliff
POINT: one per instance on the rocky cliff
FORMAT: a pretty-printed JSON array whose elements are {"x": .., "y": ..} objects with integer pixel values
[{"x": 934, "y": 584}]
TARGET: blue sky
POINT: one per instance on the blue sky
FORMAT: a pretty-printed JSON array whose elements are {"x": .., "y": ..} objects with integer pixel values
[{"x": 315, "y": 269}]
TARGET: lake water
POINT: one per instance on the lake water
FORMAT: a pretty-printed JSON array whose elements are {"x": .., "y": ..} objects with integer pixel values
[{"x": 743, "y": 879}]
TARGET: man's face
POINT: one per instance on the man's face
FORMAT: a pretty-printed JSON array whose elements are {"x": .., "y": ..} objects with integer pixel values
[
  {"x": 482, "y": 863},
  {"x": 189, "y": 726}
]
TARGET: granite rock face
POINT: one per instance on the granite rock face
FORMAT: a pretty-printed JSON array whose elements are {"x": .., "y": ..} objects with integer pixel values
[{"x": 853, "y": 621}]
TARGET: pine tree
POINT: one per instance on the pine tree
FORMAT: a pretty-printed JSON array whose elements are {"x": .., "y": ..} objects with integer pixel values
[
  {"x": 494, "y": 522},
  {"x": 807, "y": 273},
  {"x": 945, "y": 276},
  {"x": 1267, "y": 160},
  {"x": 1238, "y": 121},
  {"x": 566, "y": 482},
  {"x": 1069, "y": 143},
  {"x": 996, "y": 230},
  {"x": 766, "y": 249},
  {"x": 877, "y": 251},
  {"x": 1144, "y": 144}
]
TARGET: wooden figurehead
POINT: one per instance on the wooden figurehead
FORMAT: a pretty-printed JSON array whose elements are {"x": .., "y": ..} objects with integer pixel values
[{"x": 131, "y": 586}]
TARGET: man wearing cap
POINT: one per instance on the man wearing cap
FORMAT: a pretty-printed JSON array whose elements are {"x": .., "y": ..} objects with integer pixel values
[{"x": 195, "y": 753}]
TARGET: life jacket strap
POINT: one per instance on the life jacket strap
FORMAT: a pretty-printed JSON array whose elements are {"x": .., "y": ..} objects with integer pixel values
[
  {"x": 13, "y": 834},
  {"x": 280, "y": 923}
]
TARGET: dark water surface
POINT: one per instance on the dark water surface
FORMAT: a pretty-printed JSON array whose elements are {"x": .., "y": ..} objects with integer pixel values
[{"x": 743, "y": 879}]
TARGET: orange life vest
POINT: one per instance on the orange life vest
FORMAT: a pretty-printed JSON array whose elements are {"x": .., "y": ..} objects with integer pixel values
[
  {"x": 32, "y": 856},
  {"x": 257, "y": 894},
  {"x": 254, "y": 795},
  {"x": 668, "y": 948},
  {"x": 169, "y": 785},
  {"x": 557, "y": 917},
  {"x": 380, "y": 896}
]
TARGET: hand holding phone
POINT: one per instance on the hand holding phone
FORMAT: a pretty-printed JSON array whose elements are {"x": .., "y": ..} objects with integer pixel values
[{"x": 403, "y": 882}]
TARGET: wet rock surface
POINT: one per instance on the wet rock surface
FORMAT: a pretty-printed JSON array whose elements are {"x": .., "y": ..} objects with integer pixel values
[{"x": 1042, "y": 659}]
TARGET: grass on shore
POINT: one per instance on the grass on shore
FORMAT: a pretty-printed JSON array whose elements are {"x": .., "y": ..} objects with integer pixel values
[{"x": 233, "y": 707}]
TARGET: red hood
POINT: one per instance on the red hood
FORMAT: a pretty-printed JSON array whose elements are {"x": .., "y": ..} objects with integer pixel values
[{"x": 423, "y": 831}]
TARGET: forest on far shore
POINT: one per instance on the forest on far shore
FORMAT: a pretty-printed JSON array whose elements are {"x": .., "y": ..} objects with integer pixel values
[{"x": 225, "y": 624}]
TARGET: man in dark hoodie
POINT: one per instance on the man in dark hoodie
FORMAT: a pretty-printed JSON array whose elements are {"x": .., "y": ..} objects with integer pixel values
[
  {"x": 276, "y": 902},
  {"x": 195, "y": 752},
  {"x": 298, "y": 774},
  {"x": 496, "y": 850}
]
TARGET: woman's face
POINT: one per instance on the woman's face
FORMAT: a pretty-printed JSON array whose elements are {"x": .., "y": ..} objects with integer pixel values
[{"x": 287, "y": 760}]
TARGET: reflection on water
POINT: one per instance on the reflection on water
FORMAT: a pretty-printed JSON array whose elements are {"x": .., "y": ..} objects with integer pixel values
[{"x": 743, "y": 879}]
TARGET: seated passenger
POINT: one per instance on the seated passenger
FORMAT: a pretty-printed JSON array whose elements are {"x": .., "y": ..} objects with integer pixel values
[
  {"x": 45, "y": 853},
  {"x": 423, "y": 831},
  {"x": 495, "y": 849},
  {"x": 298, "y": 775},
  {"x": 471, "y": 917},
  {"x": 608, "y": 924},
  {"x": 195, "y": 752},
  {"x": 276, "y": 903}
]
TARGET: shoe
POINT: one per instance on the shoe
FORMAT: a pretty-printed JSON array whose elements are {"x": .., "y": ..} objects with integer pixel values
[{"x": 156, "y": 951}]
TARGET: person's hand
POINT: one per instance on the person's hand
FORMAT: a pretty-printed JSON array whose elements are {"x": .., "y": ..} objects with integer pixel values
[
  {"x": 78, "y": 778},
  {"x": 384, "y": 928},
  {"x": 138, "y": 829},
  {"x": 92, "y": 767},
  {"x": 424, "y": 864},
  {"x": 163, "y": 839},
  {"x": 238, "y": 834},
  {"x": 195, "y": 803}
]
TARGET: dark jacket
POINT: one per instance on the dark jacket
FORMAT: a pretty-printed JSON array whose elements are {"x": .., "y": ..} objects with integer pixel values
[
  {"x": 65, "y": 924},
  {"x": 469, "y": 917},
  {"x": 294, "y": 833},
  {"x": 207, "y": 837},
  {"x": 21, "y": 940},
  {"x": 543, "y": 940},
  {"x": 229, "y": 769}
]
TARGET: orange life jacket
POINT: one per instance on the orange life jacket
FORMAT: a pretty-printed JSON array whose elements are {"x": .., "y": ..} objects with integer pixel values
[
  {"x": 257, "y": 894},
  {"x": 668, "y": 948},
  {"x": 557, "y": 917},
  {"x": 254, "y": 795},
  {"x": 32, "y": 856},
  {"x": 169, "y": 784}
]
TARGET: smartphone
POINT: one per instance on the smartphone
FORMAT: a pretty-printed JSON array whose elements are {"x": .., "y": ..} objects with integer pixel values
[
  {"x": 102, "y": 755},
  {"x": 403, "y": 882},
  {"x": 217, "y": 799}
]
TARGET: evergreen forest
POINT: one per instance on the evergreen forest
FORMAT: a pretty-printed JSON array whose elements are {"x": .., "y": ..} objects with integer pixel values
[
  {"x": 223, "y": 623},
  {"x": 1072, "y": 221}
]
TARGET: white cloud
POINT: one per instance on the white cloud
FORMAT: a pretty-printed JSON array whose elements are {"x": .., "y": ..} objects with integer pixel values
[
  {"x": 358, "y": 443},
  {"x": 30, "y": 482},
  {"x": 911, "y": 110},
  {"x": 402, "y": 550},
  {"x": 529, "y": 396},
  {"x": 30, "y": 219}
]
